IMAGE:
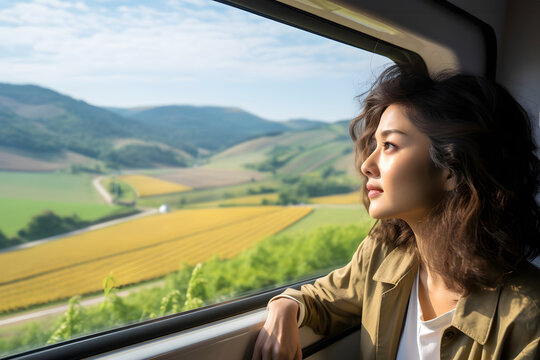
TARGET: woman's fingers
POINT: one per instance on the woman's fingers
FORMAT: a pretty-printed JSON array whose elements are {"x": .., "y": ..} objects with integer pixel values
[{"x": 279, "y": 338}]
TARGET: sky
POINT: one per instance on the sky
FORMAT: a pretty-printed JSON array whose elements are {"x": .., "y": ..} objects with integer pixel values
[{"x": 186, "y": 52}]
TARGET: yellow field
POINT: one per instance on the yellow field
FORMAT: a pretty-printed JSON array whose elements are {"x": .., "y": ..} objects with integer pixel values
[
  {"x": 245, "y": 200},
  {"x": 342, "y": 199},
  {"x": 149, "y": 186},
  {"x": 134, "y": 251}
]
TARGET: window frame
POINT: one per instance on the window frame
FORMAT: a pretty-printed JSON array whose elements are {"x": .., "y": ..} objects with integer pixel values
[{"x": 113, "y": 339}]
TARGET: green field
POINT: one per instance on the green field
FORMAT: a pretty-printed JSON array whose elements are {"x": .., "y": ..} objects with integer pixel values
[
  {"x": 55, "y": 186},
  {"x": 256, "y": 151},
  {"x": 330, "y": 215},
  {"x": 23, "y": 195},
  {"x": 315, "y": 159},
  {"x": 16, "y": 212}
]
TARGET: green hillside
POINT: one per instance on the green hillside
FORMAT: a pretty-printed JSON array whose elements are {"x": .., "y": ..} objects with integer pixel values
[
  {"x": 41, "y": 121},
  {"x": 293, "y": 152},
  {"x": 208, "y": 127}
]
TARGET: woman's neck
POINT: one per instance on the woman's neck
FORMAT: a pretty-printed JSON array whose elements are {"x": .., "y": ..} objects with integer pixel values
[{"x": 435, "y": 297}]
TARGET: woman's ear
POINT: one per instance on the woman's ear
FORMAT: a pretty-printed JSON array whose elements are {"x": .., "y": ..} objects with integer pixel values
[{"x": 449, "y": 180}]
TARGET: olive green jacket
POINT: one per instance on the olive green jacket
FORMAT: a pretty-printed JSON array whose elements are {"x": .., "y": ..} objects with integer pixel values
[{"x": 374, "y": 288}]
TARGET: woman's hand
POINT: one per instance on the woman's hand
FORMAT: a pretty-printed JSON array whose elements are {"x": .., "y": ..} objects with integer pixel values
[{"x": 279, "y": 339}]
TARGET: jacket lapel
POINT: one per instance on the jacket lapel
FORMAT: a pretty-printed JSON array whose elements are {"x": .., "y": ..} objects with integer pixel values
[
  {"x": 475, "y": 313},
  {"x": 396, "y": 276}
]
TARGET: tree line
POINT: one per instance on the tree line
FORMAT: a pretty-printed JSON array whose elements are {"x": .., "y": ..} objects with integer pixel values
[{"x": 47, "y": 224}]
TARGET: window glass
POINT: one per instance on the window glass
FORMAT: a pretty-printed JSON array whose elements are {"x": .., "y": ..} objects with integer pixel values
[{"x": 156, "y": 157}]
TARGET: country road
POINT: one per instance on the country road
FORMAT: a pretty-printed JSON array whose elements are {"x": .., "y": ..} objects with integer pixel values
[{"x": 101, "y": 190}]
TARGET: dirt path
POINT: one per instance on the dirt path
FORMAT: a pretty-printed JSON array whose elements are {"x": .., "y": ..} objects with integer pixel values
[{"x": 101, "y": 190}]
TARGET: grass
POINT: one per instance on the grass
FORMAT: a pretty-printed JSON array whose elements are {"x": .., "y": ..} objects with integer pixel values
[
  {"x": 55, "y": 186},
  {"x": 16, "y": 212},
  {"x": 24, "y": 195},
  {"x": 329, "y": 216},
  {"x": 256, "y": 151},
  {"x": 315, "y": 159}
]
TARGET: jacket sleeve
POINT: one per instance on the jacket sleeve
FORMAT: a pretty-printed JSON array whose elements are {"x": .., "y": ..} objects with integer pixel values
[
  {"x": 531, "y": 351},
  {"x": 335, "y": 301}
]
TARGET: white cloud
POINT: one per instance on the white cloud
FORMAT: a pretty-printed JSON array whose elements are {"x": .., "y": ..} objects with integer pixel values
[{"x": 54, "y": 41}]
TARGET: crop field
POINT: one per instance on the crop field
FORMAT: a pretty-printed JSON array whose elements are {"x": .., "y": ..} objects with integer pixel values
[
  {"x": 202, "y": 177},
  {"x": 316, "y": 158},
  {"x": 341, "y": 199},
  {"x": 239, "y": 201},
  {"x": 134, "y": 251},
  {"x": 323, "y": 216},
  {"x": 149, "y": 186},
  {"x": 256, "y": 150},
  {"x": 206, "y": 195}
]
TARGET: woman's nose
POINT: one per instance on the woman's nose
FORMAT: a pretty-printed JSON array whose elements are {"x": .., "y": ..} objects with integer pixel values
[{"x": 369, "y": 167}]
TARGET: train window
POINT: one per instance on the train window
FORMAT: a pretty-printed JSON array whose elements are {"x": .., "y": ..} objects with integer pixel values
[{"x": 156, "y": 157}]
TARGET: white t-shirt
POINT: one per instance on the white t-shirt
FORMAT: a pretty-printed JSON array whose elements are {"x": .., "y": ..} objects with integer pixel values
[{"x": 421, "y": 339}]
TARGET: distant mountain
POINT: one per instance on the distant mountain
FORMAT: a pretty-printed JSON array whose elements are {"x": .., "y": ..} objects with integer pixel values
[
  {"x": 210, "y": 127},
  {"x": 38, "y": 120},
  {"x": 304, "y": 124},
  {"x": 35, "y": 121}
]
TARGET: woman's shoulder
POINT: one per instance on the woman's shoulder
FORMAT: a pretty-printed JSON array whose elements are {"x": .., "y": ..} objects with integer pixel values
[
  {"x": 375, "y": 252},
  {"x": 521, "y": 292}
]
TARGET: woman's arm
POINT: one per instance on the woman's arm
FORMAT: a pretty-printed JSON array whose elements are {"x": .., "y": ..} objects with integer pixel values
[
  {"x": 279, "y": 339},
  {"x": 335, "y": 301},
  {"x": 331, "y": 303}
]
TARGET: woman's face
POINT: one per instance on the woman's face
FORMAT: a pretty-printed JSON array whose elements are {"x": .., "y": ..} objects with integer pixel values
[{"x": 402, "y": 183}]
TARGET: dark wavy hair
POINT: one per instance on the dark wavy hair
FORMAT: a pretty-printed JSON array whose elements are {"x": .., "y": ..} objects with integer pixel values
[{"x": 490, "y": 223}]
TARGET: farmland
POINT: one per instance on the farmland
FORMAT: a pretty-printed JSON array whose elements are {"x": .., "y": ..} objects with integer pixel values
[
  {"x": 134, "y": 251},
  {"x": 244, "y": 200},
  {"x": 23, "y": 195},
  {"x": 204, "y": 177},
  {"x": 149, "y": 186},
  {"x": 330, "y": 216},
  {"x": 343, "y": 199}
]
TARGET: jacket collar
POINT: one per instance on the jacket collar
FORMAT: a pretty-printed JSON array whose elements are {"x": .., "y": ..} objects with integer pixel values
[
  {"x": 395, "y": 266},
  {"x": 475, "y": 313},
  {"x": 396, "y": 272}
]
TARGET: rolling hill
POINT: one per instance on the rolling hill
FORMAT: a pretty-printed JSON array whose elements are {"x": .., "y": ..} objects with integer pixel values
[
  {"x": 209, "y": 127},
  {"x": 293, "y": 152},
  {"x": 41, "y": 129}
]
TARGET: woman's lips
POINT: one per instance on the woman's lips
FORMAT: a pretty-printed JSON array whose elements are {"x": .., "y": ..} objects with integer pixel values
[
  {"x": 373, "y": 190},
  {"x": 373, "y": 193}
]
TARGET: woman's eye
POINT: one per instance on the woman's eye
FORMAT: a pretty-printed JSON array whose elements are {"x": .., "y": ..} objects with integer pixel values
[{"x": 388, "y": 145}]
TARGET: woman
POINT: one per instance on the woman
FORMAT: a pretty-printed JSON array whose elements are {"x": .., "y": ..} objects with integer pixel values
[{"x": 450, "y": 171}]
